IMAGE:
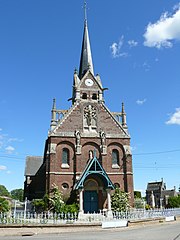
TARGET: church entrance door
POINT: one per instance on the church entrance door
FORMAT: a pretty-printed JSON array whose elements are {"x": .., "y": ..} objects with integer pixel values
[{"x": 90, "y": 201}]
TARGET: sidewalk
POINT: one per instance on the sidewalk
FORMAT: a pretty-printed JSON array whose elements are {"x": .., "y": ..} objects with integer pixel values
[{"x": 29, "y": 230}]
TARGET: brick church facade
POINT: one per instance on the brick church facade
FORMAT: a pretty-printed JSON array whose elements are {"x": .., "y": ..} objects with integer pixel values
[{"x": 87, "y": 152}]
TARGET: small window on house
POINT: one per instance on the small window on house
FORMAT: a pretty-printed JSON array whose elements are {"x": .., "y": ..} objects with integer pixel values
[
  {"x": 94, "y": 96},
  {"x": 84, "y": 96},
  {"x": 65, "y": 157},
  {"x": 115, "y": 158}
]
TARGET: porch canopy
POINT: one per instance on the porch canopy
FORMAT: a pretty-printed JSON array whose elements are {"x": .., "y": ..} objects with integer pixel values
[{"x": 94, "y": 168}]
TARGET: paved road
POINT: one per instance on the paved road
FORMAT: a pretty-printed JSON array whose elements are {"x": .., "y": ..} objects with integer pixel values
[{"x": 165, "y": 231}]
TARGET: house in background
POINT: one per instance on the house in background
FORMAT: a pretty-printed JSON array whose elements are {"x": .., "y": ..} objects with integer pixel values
[{"x": 157, "y": 195}]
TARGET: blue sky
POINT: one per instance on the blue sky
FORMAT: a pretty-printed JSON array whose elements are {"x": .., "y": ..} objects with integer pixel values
[{"x": 136, "y": 50}]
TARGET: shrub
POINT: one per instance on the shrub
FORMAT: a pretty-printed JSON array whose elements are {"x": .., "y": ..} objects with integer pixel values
[
  {"x": 4, "y": 205},
  {"x": 73, "y": 208},
  {"x": 120, "y": 201}
]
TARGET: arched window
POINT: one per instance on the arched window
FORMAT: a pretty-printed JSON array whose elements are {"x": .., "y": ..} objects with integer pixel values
[
  {"x": 115, "y": 157},
  {"x": 65, "y": 156}
]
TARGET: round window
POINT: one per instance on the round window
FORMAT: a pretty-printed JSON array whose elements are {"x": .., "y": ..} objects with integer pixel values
[{"x": 65, "y": 186}]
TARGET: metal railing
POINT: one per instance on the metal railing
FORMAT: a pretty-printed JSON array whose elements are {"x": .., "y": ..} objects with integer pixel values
[
  {"x": 146, "y": 214},
  {"x": 27, "y": 218}
]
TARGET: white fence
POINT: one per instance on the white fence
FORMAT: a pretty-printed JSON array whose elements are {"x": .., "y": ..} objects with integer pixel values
[
  {"x": 146, "y": 214},
  {"x": 70, "y": 218}
]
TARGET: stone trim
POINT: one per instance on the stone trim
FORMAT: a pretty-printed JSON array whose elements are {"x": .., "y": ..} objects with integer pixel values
[
  {"x": 89, "y": 135},
  {"x": 60, "y": 173},
  {"x": 79, "y": 173}
]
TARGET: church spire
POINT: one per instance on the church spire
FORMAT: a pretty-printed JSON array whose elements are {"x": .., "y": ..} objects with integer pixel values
[{"x": 86, "y": 57}]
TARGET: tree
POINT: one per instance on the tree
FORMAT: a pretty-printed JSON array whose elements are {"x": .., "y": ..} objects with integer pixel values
[
  {"x": 56, "y": 203},
  {"x": 4, "y": 191},
  {"x": 120, "y": 201},
  {"x": 17, "y": 194},
  {"x": 137, "y": 194},
  {"x": 41, "y": 205},
  {"x": 4, "y": 205},
  {"x": 174, "y": 202}
]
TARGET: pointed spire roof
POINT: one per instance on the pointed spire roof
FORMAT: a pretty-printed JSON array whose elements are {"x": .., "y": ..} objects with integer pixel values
[{"x": 86, "y": 62}]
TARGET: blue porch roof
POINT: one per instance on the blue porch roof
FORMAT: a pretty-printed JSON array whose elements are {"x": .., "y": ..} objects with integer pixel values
[{"x": 94, "y": 168}]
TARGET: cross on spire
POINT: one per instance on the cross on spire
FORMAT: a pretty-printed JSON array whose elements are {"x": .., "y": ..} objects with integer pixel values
[{"x": 85, "y": 10}]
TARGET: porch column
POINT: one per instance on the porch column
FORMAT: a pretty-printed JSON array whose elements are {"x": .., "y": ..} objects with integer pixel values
[
  {"x": 81, "y": 201},
  {"x": 109, "y": 199},
  {"x": 109, "y": 212}
]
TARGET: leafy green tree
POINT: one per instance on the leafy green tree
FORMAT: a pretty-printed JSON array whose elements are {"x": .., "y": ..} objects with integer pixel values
[
  {"x": 137, "y": 194},
  {"x": 120, "y": 201},
  {"x": 174, "y": 202},
  {"x": 4, "y": 205},
  {"x": 41, "y": 205},
  {"x": 17, "y": 194},
  {"x": 56, "y": 203},
  {"x": 4, "y": 191}
]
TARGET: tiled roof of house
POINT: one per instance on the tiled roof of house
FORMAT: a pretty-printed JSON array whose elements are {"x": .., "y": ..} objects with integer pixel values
[{"x": 33, "y": 163}]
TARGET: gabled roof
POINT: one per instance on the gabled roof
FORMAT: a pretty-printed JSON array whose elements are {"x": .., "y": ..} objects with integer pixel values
[
  {"x": 94, "y": 168},
  {"x": 169, "y": 193},
  {"x": 152, "y": 186},
  {"x": 125, "y": 132},
  {"x": 33, "y": 163},
  {"x": 69, "y": 111},
  {"x": 89, "y": 74}
]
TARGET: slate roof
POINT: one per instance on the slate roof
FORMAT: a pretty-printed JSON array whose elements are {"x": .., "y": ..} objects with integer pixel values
[
  {"x": 169, "y": 193},
  {"x": 86, "y": 56},
  {"x": 33, "y": 163},
  {"x": 155, "y": 186}
]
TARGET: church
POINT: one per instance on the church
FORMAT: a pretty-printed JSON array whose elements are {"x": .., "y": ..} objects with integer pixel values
[{"x": 87, "y": 152}]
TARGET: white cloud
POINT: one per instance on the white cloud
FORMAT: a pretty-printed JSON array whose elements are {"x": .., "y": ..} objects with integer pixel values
[
  {"x": 164, "y": 31},
  {"x": 174, "y": 118},
  {"x": 141, "y": 102},
  {"x": 2, "y": 168},
  {"x": 9, "y": 149},
  {"x": 0, "y": 129},
  {"x": 6, "y": 141},
  {"x": 117, "y": 47},
  {"x": 15, "y": 140},
  {"x": 132, "y": 43}
]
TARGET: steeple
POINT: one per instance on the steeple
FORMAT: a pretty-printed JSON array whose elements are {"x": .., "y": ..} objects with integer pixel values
[{"x": 86, "y": 62}]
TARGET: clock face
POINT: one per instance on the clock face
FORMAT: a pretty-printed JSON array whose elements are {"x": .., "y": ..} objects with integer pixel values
[{"x": 89, "y": 82}]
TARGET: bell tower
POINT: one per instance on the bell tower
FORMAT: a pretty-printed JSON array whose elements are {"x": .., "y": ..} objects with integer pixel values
[{"x": 86, "y": 86}]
